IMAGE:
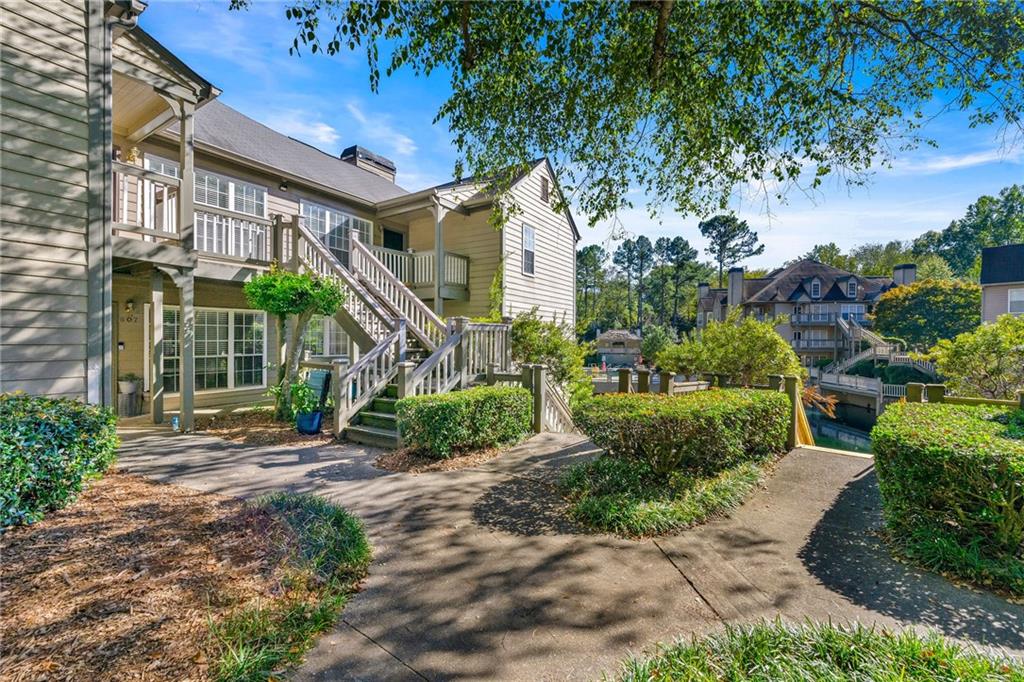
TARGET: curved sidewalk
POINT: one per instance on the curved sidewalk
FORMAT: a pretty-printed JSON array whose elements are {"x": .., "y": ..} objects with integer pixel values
[{"x": 477, "y": 575}]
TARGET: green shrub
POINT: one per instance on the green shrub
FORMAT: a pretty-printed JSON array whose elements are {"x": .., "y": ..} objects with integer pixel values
[
  {"x": 627, "y": 497},
  {"x": 703, "y": 432},
  {"x": 537, "y": 341},
  {"x": 482, "y": 417},
  {"x": 952, "y": 484},
  {"x": 775, "y": 651},
  {"x": 48, "y": 449}
]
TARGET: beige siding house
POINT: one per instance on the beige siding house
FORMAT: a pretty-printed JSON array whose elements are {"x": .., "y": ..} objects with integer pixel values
[
  {"x": 1002, "y": 281},
  {"x": 135, "y": 206}
]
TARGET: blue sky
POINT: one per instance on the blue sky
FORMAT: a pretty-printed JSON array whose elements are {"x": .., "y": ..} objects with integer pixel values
[{"x": 327, "y": 102}]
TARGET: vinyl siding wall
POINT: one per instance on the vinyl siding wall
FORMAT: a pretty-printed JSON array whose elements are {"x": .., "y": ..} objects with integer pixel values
[
  {"x": 44, "y": 142},
  {"x": 552, "y": 289},
  {"x": 995, "y": 300},
  {"x": 468, "y": 235}
]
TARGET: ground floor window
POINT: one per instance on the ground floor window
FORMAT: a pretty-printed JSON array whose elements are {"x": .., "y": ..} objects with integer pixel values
[
  {"x": 325, "y": 338},
  {"x": 229, "y": 346}
]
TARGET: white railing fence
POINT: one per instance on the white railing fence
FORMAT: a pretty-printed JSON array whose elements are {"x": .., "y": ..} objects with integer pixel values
[
  {"x": 423, "y": 322},
  {"x": 145, "y": 202},
  {"x": 357, "y": 385},
  {"x": 439, "y": 373},
  {"x": 485, "y": 343},
  {"x": 557, "y": 415},
  {"x": 220, "y": 233}
]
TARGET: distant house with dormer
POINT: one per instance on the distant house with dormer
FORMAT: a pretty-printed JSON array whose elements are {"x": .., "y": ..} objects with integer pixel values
[
  {"x": 1002, "y": 281},
  {"x": 825, "y": 306}
]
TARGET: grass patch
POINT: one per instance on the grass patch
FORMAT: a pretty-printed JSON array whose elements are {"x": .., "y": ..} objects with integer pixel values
[
  {"x": 627, "y": 497},
  {"x": 326, "y": 555},
  {"x": 774, "y": 651}
]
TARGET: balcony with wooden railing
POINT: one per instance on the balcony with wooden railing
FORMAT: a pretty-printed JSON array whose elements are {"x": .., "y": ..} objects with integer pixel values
[{"x": 418, "y": 271}]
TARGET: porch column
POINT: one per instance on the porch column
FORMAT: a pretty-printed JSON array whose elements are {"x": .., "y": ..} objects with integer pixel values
[
  {"x": 156, "y": 352},
  {"x": 187, "y": 365},
  {"x": 186, "y": 192},
  {"x": 438, "y": 258}
]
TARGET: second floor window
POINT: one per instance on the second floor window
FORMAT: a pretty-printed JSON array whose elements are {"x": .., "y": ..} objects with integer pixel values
[
  {"x": 851, "y": 289},
  {"x": 529, "y": 250},
  {"x": 815, "y": 289},
  {"x": 1015, "y": 302},
  {"x": 335, "y": 228},
  {"x": 234, "y": 195}
]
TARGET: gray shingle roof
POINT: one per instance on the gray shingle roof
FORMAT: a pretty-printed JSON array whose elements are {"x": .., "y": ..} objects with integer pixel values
[
  {"x": 1001, "y": 264},
  {"x": 220, "y": 126}
]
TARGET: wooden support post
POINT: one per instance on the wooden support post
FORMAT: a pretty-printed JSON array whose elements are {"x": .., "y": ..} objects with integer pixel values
[
  {"x": 341, "y": 396},
  {"x": 294, "y": 238},
  {"x": 458, "y": 326},
  {"x": 187, "y": 364},
  {"x": 915, "y": 393},
  {"x": 528, "y": 377},
  {"x": 404, "y": 371},
  {"x": 665, "y": 381},
  {"x": 723, "y": 380},
  {"x": 539, "y": 386},
  {"x": 643, "y": 380},
  {"x": 625, "y": 379},
  {"x": 438, "y": 257},
  {"x": 156, "y": 351},
  {"x": 492, "y": 369},
  {"x": 936, "y": 392},
  {"x": 277, "y": 244},
  {"x": 792, "y": 393},
  {"x": 186, "y": 173},
  {"x": 400, "y": 345},
  {"x": 1020, "y": 399},
  {"x": 775, "y": 382}
]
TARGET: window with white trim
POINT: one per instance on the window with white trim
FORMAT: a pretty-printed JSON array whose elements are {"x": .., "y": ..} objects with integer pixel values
[
  {"x": 229, "y": 348},
  {"x": 212, "y": 190},
  {"x": 335, "y": 228},
  {"x": 160, "y": 165},
  {"x": 1015, "y": 301},
  {"x": 815, "y": 289},
  {"x": 529, "y": 250},
  {"x": 325, "y": 338},
  {"x": 851, "y": 288}
]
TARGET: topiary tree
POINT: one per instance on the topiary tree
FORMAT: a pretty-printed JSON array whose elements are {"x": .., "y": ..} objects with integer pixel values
[
  {"x": 289, "y": 295},
  {"x": 926, "y": 311},
  {"x": 987, "y": 362}
]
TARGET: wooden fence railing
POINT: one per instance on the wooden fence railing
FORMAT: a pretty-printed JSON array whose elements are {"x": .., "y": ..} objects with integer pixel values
[{"x": 937, "y": 393}]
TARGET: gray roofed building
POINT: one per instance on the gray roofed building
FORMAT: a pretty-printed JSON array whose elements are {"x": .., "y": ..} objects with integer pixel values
[
  {"x": 1002, "y": 281},
  {"x": 220, "y": 127}
]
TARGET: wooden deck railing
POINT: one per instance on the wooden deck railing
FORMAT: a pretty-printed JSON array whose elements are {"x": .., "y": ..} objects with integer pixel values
[
  {"x": 416, "y": 269},
  {"x": 145, "y": 203}
]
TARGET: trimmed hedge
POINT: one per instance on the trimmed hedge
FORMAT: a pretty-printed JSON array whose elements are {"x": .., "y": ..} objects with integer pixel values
[
  {"x": 48, "y": 449},
  {"x": 482, "y": 417},
  {"x": 703, "y": 432},
  {"x": 952, "y": 484}
]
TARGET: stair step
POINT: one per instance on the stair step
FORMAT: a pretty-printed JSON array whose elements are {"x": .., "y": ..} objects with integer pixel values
[
  {"x": 380, "y": 420},
  {"x": 370, "y": 435},
  {"x": 391, "y": 391},
  {"x": 384, "y": 405}
]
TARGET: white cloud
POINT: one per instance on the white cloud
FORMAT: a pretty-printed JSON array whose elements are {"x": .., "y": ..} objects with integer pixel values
[
  {"x": 948, "y": 162},
  {"x": 377, "y": 128},
  {"x": 302, "y": 126}
]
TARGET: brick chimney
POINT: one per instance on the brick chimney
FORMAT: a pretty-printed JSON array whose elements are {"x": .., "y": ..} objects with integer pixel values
[
  {"x": 368, "y": 161},
  {"x": 734, "y": 295},
  {"x": 904, "y": 274}
]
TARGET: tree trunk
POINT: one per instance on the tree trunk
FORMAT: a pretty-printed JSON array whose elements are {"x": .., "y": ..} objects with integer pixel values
[
  {"x": 289, "y": 371},
  {"x": 281, "y": 402}
]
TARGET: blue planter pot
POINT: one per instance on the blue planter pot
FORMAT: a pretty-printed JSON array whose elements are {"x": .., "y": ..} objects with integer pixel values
[{"x": 309, "y": 423}]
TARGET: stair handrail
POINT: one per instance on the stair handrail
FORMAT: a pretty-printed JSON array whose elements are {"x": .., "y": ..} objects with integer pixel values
[
  {"x": 316, "y": 257},
  {"x": 557, "y": 415},
  {"x": 439, "y": 372},
  {"x": 423, "y": 322},
  {"x": 368, "y": 376}
]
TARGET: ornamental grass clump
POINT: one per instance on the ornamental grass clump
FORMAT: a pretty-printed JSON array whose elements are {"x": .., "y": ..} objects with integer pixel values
[
  {"x": 952, "y": 484},
  {"x": 483, "y": 417},
  {"x": 49, "y": 448}
]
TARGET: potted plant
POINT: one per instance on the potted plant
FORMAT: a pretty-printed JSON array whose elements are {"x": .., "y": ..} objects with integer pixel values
[
  {"x": 128, "y": 383},
  {"x": 306, "y": 403}
]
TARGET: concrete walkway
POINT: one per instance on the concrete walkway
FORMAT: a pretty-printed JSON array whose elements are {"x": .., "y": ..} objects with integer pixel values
[{"x": 478, "y": 576}]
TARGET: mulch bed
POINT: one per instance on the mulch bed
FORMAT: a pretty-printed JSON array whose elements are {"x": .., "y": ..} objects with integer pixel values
[
  {"x": 411, "y": 462},
  {"x": 258, "y": 427},
  {"x": 121, "y": 584}
]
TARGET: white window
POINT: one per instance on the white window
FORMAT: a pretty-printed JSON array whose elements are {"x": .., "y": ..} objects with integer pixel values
[
  {"x": 529, "y": 250},
  {"x": 325, "y": 338},
  {"x": 335, "y": 228},
  {"x": 212, "y": 190},
  {"x": 1015, "y": 301},
  {"x": 158, "y": 164},
  {"x": 851, "y": 288},
  {"x": 223, "y": 192},
  {"x": 852, "y": 311},
  {"x": 815, "y": 289},
  {"x": 230, "y": 348}
]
